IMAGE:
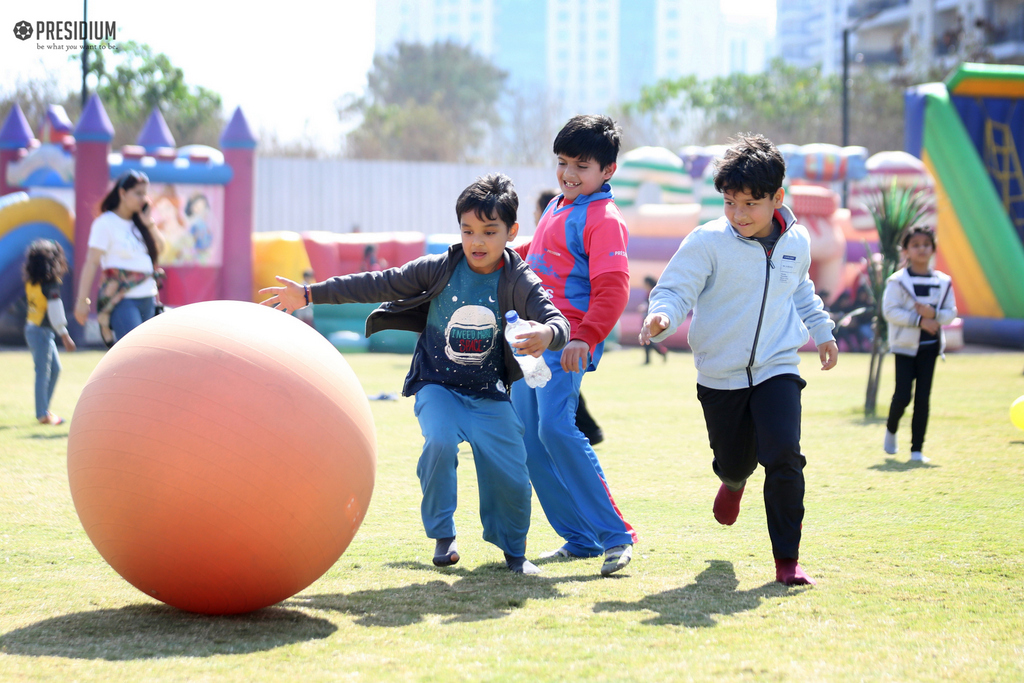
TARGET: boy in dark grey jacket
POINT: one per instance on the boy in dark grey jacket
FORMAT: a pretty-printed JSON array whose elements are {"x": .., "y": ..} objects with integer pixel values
[
  {"x": 461, "y": 368},
  {"x": 745, "y": 277}
]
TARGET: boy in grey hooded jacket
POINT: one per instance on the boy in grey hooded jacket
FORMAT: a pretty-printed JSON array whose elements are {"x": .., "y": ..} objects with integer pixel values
[{"x": 745, "y": 278}]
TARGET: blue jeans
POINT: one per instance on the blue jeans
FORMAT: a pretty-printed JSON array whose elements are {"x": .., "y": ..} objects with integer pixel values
[
  {"x": 42, "y": 342},
  {"x": 492, "y": 429},
  {"x": 564, "y": 469},
  {"x": 130, "y": 313}
]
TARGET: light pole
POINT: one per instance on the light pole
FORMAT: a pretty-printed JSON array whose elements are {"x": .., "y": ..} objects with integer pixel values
[
  {"x": 847, "y": 30},
  {"x": 85, "y": 51}
]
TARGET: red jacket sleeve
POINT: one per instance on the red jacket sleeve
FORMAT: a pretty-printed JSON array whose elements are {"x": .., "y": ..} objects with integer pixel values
[{"x": 609, "y": 295}]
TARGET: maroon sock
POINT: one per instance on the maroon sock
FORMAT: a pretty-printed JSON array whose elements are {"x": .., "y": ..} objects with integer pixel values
[
  {"x": 792, "y": 574},
  {"x": 727, "y": 505}
]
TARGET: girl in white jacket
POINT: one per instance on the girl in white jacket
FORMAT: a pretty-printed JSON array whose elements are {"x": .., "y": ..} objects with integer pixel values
[{"x": 918, "y": 301}]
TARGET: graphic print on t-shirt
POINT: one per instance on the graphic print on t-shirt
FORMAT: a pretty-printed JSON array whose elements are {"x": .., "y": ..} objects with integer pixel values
[{"x": 470, "y": 335}]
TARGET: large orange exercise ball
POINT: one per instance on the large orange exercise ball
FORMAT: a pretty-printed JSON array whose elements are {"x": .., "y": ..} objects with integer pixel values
[{"x": 222, "y": 456}]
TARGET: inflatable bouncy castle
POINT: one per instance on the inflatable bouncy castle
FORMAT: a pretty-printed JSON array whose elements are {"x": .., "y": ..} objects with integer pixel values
[
  {"x": 202, "y": 200},
  {"x": 966, "y": 132}
]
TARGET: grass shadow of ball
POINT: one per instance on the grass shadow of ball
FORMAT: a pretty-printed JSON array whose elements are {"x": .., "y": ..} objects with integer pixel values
[
  {"x": 158, "y": 631},
  {"x": 486, "y": 592}
]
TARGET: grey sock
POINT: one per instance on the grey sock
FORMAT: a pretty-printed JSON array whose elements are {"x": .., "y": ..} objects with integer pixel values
[{"x": 445, "y": 552}]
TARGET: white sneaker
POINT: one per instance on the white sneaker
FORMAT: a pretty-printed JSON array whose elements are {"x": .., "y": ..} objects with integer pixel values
[
  {"x": 616, "y": 558},
  {"x": 918, "y": 456},
  {"x": 560, "y": 554},
  {"x": 890, "y": 443}
]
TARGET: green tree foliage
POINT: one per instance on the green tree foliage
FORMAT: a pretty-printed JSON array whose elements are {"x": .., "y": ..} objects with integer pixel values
[
  {"x": 786, "y": 103},
  {"x": 131, "y": 80},
  {"x": 425, "y": 103},
  {"x": 34, "y": 96}
]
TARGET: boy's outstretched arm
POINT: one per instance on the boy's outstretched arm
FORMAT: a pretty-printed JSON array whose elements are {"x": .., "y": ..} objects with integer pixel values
[
  {"x": 291, "y": 296},
  {"x": 654, "y": 324},
  {"x": 829, "y": 354}
]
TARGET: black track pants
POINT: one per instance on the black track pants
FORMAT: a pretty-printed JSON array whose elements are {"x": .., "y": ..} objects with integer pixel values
[{"x": 761, "y": 424}]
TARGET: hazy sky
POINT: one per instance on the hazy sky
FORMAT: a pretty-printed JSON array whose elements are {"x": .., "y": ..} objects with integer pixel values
[{"x": 286, "y": 67}]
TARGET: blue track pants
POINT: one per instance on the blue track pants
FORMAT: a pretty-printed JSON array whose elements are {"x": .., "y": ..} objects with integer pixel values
[
  {"x": 495, "y": 432},
  {"x": 564, "y": 469}
]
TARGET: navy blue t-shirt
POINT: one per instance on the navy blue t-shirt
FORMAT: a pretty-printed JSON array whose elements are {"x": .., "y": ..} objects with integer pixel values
[{"x": 462, "y": 343}]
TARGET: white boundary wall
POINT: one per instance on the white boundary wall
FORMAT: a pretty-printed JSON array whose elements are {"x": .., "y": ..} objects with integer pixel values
[{"x": 378, "y": 196}]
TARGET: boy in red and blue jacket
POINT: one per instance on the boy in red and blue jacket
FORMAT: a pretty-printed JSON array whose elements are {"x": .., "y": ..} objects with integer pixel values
[{"x": 579, "y": 253}]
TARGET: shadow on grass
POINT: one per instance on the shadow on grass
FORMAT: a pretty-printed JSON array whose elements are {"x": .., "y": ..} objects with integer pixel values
[
  {"x": 894, "y": 465},
  {"x": 712, "y": 592},
  {"x": 865, "y": 421},
  {"x": 55, "y": 435},
  {"x": 157, "y": 631},
  {"x": 487, "y": 592}
]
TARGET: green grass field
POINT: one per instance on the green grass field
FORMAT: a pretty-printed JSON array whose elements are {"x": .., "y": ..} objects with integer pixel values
[{"x": 920, "y": 569}]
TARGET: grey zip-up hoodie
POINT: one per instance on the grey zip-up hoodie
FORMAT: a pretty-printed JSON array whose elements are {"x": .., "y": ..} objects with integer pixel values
[{"x": 752, "y": 310}]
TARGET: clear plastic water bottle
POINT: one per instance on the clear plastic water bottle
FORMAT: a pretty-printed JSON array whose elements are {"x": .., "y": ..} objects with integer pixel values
[{"x": 535, "y": 370}]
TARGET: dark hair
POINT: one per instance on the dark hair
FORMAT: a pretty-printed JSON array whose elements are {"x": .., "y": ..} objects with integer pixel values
[
  {"x": 917, "y": 230},
  {"x": 589, "y": 137},
  {"x": 545, "y": 198},
  {"x": 751, "y": 164},
  {"x": 191, "y": 203},
  {"x": 127, "y": 181},
  {"x": 649, "y": 281},
  {"x": 44, "y": 262},
  {"x": 492, "y": 196}
]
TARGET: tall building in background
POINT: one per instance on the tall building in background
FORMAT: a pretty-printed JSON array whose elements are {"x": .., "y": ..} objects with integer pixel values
[
  {"x": 908, "y": 36},
  {"x": 810, "y": 32},
  {"x": 584, "y": 56},
  {"x": 921, "y": 35}
]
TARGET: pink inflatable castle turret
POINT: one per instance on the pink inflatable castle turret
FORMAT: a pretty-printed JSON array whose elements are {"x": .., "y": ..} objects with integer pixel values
[
  {"x": 56, "y": 128},
  {"x": 155, "y": 136},
  {"x": 239, "y": 145},
  {"x": 92, "y": 174},
  {"x": 15, "y": 136}
]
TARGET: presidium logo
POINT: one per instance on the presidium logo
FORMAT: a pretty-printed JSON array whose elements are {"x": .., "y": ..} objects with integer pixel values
[{"x": 67, "y": 30}]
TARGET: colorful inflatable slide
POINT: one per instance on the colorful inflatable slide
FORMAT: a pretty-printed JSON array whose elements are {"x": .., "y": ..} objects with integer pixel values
[
  {"x": 24, "y": 219},
  {"x": 964, "y": 130}
]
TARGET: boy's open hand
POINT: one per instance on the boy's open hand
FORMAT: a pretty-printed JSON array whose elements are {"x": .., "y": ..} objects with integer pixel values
[
  {"x": 829, "y": 354},
  {"x": 655, "y": 324},
  {"x": 930, "y": 325},
  {"x": 924, "y": 310},
  {"x": 69, "y": 343},
  {"x": 575, "y": 356},
  {"x": 289, "y": 298},
  {"x": 535, "y": 342}
]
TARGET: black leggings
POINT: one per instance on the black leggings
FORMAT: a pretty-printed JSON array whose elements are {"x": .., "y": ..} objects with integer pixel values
[
  {"x": 761, "y": 424},
  {"x": 908, "y": 369}
]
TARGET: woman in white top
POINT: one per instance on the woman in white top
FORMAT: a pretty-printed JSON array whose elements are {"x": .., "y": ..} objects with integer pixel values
[{"x": 125, "y": 243}]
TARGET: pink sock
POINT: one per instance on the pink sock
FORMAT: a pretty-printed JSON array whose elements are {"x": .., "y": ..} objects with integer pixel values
[
  {"x": 727, "y": 505},
  {"x": 792, "y": 574}
]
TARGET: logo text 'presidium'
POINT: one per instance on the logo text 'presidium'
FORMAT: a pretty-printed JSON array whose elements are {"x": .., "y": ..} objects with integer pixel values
[{"x": 76, "y": 30}]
